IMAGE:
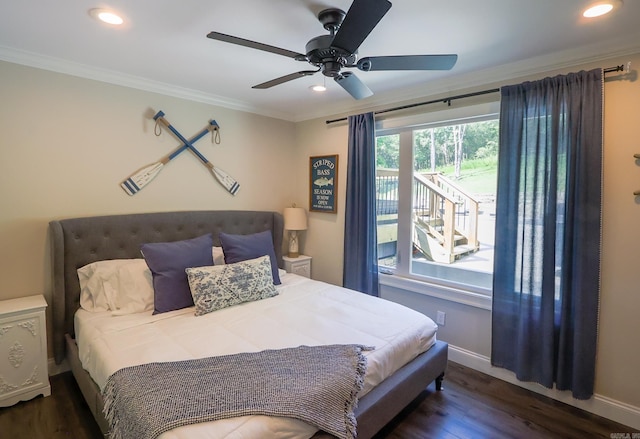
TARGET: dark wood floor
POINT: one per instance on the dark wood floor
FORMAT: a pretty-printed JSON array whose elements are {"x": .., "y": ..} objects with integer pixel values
[
  {"x": 472, "y": 405},
  {"x": 64, "y": 414},
  {"x": 475, "y": 405}
]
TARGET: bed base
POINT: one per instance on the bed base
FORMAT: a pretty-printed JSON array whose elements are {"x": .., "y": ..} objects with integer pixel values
[{"x": 88, "y": 387}]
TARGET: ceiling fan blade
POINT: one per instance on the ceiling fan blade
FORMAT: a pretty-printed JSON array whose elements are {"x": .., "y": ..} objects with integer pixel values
[
  {"x": 361, "y": 18},
  {"x": 286, "y": 78},
  {"x": 353, "y": 85},
  {"x": 408, "y": 62},
  {"x": 255, "y": 45}
]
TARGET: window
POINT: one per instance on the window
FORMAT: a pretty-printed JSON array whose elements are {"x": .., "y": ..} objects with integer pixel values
[{"x": 436, "y": 187}]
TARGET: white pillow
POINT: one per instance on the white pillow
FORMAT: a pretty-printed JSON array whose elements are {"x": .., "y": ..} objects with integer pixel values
[
  {"x": 135, "y": 291},
  {"x": 93, "y": 296},
  {"x": 123, "y": 286}
]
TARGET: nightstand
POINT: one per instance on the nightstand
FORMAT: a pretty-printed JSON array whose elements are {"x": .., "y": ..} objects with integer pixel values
[
  {"x": 23, "y": 350},
  {"x": 300, "y": 265}
]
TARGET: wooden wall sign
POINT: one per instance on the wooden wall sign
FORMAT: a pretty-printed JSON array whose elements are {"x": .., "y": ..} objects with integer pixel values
[{"x": 323, "y": 171}]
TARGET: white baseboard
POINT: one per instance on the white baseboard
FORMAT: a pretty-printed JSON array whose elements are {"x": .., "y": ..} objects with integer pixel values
[{"x": 617, "y": 411}]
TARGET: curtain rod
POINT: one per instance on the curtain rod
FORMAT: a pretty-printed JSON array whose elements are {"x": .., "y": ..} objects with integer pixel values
[{"x": 453, "y": 98}]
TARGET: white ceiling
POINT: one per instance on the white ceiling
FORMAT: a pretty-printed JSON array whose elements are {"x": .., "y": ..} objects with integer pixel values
[{"x": 163, "y": 46}]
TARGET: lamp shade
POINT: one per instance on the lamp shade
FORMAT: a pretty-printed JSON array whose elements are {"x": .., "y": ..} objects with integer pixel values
[{"x": 295, "y": 218}]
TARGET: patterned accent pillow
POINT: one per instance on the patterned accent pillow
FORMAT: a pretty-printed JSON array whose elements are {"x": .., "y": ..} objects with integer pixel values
[{"x": 221, "y": 286}]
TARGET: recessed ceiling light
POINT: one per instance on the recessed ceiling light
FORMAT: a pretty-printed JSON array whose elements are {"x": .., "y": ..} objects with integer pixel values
[
  {"x": 318, "y": 88},
  {"x": 106, "y": 16},
  {"x": 601, "y": 7}
]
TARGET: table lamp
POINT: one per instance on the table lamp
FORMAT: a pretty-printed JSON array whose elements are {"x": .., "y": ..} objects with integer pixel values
[{"x": 295, "y": 219}]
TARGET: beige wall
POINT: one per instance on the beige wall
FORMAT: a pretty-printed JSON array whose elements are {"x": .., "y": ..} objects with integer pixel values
[
  {"x": 469, "y": 328},
  {"x": 324, "y": 238},
  {"x": 66, "y": 143}
]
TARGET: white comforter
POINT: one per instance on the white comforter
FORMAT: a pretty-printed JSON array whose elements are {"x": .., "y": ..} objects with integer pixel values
[{"x": 306, "y": 312}]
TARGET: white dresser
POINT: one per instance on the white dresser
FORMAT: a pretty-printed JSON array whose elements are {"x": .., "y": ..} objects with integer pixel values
[{"x": 23, "y": 350}]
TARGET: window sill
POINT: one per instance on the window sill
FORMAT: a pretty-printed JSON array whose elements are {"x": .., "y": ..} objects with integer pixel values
[{"x": 451, "y": 294}]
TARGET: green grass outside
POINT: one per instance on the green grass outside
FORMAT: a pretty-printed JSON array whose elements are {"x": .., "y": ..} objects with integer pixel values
[{"x": 477, "y": 176}]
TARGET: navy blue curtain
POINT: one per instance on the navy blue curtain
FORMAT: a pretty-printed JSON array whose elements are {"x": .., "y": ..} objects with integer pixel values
[
  {"x": 548, "y": 222},
  {"x": 360, "y": 233}
]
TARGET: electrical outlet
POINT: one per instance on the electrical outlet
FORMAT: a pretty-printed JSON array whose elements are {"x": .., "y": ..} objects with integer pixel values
[{"x": 440, "y": 318}]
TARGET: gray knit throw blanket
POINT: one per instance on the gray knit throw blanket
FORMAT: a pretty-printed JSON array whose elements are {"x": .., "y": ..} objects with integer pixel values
[{"x": 316, "y": 384}]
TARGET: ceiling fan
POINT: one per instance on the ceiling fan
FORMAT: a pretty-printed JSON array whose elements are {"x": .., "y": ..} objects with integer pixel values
[{"x": 339, "y": 49}]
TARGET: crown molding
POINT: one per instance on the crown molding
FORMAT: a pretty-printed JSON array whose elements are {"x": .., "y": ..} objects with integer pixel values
[
  {"x": 464, "y": 81},
  {"x": 59, "y": 65}
]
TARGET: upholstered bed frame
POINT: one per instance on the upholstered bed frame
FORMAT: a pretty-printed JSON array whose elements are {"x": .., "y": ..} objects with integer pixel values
[{"x": 80, "y": 241}]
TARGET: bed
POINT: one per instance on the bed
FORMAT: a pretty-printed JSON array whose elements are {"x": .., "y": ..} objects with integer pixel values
[{"x": 77, "y": 242}]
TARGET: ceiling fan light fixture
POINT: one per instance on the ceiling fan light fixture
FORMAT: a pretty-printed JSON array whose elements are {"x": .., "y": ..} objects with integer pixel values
[
  {"x": 320, "y": 88},
  {"x": 600, "y": 8},
  {"x": 106, "y": 16}
]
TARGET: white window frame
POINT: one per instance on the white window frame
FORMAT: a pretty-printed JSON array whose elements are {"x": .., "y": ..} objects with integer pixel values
[{"x": 401, "y": 276}]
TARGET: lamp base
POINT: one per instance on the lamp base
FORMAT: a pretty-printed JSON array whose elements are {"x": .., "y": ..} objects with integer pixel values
[{"x": 293, "y": 244}]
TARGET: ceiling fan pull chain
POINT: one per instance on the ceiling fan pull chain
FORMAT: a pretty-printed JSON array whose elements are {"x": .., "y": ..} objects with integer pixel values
[{"x": 157, "y": 130}]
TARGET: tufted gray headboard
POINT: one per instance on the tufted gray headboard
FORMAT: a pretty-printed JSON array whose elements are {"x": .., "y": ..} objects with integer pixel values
[{"x": 80, "y": 241}]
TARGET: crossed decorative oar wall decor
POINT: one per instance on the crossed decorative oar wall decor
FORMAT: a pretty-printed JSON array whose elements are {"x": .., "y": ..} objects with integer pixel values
[{"x": 143, "y": 176}]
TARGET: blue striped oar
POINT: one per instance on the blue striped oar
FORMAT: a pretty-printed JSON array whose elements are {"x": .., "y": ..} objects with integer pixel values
[
  {"x": 225, "y": 179},
  {"x": 143, "y": 176}
]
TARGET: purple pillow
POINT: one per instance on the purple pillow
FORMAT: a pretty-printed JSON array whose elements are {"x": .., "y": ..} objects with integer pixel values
[
  {"x": 238, "y": 248},
  {"x": 167, "y": 262}
]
